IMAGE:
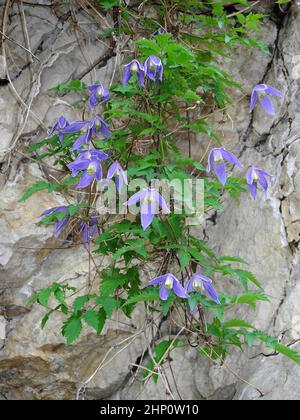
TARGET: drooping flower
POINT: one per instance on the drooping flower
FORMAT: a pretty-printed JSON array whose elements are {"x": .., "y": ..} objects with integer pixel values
[
  {"x": 150, "y": 201},
  {"x": 59, "y": 224},
  {"x": 261, "y": 93},
  {"x": 87, "y": 130},
  {"x": 160, "y": 31},
  {"x": 154, "y": 68},
  {"x": 116, "y": 170},
  {"x": 134, "y": 67},
  {"x": 217, "y": 158},
  {"x": 60, "y": 125},
  {"x": 89, "y": 229},
  {"x": 200, "y": 283},
  {"x": 92, "y": 170},
  {"x": 257, "y": 176},
  {"x": 169, "y": 282},
  {"x": 98, "y": 95},
  {"x": 85, "y": 158}
]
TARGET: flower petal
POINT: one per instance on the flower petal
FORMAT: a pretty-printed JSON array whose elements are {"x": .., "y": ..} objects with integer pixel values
[
  {"x": 272, "y": 91},
  {"x": 158, "y": 280},
  {"x": 231, "y": 158},
  {"x": 220, "y": 171},
  {"x": 179, "y": 289},
  {"x": 253, "y": 189},
  {"x": 164, "y": 292},
  {"x": 253, "y": 101},
  {"x": 86, "y": 180},
  {"x": 267, "y": 105}
]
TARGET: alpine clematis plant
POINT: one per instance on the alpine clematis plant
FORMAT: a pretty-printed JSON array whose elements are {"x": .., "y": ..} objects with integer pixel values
[
  {"x": 148, "y": 123},
  {"x": 59, "y": 127},
  {"x": 134, "y": 68},
  {"x": 98, "y": 95},
  {"x": 59, "y": 224},
  {"x": 261, "y": 93},
  {"x": 257, "y": 176},
  {"x": 160, "y": 31},
  {"x": 154, "y": 68},
  {"x": 150, "y": 201},
  {"x": 200, "y": 283},
  {"x": 217, "y": 159},
  {"x": 169, "y": 282}
]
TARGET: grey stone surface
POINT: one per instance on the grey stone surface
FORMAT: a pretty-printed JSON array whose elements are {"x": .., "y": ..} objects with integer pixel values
[{"x": 37, "y": 364}]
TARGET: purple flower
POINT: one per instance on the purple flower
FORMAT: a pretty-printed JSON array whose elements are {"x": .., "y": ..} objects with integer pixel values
[
  {"x": 59, "y": 224},
  {"x": 92, "y": 170},
  {"x": 99, "y": 95},
  {"x": 135, "y": 67},
  {"x": 261, "y": 93},
  {"x": 59, "y": 127},
  {"x": 169, "y": 282},
  {"x": 87, "y": 130},
  {"x": 255, "y": 176},
  {"x": 85, "y": 158},
  {"x": 200, "y": 283},
  {"x": 89, "y": 229},
  {"x": 150, "y": 201},
  {"x": 154, "y": 68},
  {"x": 160, "y": 31},
  {"x": 217, "y": 158},
  {"x": 120, "y": 175}
]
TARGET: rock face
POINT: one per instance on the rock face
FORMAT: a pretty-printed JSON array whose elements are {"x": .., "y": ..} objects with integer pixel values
[{"x": 38, "y": 365}]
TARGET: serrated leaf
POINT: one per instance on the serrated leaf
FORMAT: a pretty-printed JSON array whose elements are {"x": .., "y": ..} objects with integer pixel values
[
  {"x": 80, "y": 302},
  {"x": 108, "y": 303},
  {"x": 94, "y": 319},
  {"x": 44, "y": 296},
  {"x": 38, "y": 186},
  {"x": 71, "y": 329}
]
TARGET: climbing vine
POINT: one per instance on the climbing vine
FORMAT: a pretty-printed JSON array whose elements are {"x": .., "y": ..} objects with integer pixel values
[{"x": 118, "y": 163}]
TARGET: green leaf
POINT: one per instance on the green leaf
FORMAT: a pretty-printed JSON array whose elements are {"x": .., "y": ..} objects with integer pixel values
[
  {"x": 237, "y": 323},
  {"x": 184, "y": 258},
  {"x": 44, "y": 296},
  {"x": 38, "y": 186},
  {"x": 71, "y": 329},
  {"x": 94, "y": 319},
  {"x": 108, "y": 4},
  {"x": 288, "y": 352},
  {"x": 108, "y": 303},
  {"x": 111, "y": 280},
  {"x": 80, "y": 302},
  {"x": 72, "y": 86}
]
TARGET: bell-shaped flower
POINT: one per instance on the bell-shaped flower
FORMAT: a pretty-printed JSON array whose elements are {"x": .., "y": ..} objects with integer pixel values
[
  {"x": 167, "y": 283},
  {"x": 132, "y": 68},
  {"x": 154, "y": 68},
  {"x": 92, "y": 170},
  {"x": 85, "y": 157},
  {"x": 60, "y": 125},
  {"x": 150, "y": 201},
  {"x": 261, "y": 93},
  {"x": 89, "y": 230},
  {"x": 87, "y": 130},
  {"x": 217, "y": 159},
  {"x": 59, "y": 224},
  {"x": 98, "y": 95},
  {"x": 200, "y": 283},
  {"x": 257, "y": 176},
  {"x": 116, "y": 171}
]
